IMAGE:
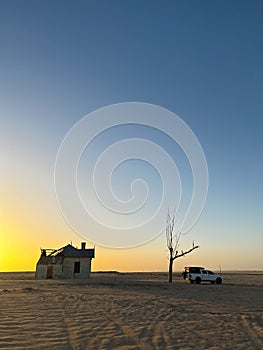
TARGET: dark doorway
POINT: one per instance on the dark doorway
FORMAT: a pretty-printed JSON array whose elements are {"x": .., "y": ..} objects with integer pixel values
[
  {"x": 50, "y": 272},
  {"x": 77, "y": 267}
]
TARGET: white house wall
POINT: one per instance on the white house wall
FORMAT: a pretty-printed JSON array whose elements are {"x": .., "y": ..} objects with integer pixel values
[
  {"x": 57, "y": 271},
  {"x": 41, "y": 272},
  {"x": 68, "y": 267}
]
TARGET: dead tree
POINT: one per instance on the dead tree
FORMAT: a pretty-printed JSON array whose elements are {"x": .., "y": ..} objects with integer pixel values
[{"x": 173, "y": 240}]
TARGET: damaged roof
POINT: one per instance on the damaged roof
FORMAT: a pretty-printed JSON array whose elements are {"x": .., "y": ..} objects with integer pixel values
[{"x": 56, "y": 256}]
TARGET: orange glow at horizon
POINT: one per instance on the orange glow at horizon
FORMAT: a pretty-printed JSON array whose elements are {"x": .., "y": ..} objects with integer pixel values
[{"x": 24, "y": 231}]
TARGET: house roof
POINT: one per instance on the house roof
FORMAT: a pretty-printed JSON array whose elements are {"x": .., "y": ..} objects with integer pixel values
[
  {"x": 56, "y": 256},
  {"x": 70, "y": 251},
  {"x": 47, "y": 260}
]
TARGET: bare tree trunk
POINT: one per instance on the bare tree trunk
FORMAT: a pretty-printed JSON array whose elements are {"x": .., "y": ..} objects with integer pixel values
[
  {"x": 171, "y": 269},
  {"x": 173, "y": 244}
]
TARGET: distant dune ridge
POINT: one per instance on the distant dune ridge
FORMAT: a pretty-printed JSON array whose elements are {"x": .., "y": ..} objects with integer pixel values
[{"x": 131, "y": 311}]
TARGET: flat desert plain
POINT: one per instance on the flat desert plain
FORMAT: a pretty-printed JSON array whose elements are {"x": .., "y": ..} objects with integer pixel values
[{"x": 131, "y": 311}]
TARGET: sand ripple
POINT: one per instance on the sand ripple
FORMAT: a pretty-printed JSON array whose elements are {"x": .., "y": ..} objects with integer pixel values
[{"x": 139, "y": 311}]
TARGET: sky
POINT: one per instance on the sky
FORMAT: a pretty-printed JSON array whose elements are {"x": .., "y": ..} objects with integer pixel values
[{"x": 62, "y": 60}]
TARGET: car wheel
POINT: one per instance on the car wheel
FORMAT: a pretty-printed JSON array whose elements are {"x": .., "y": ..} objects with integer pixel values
[
  {"x": 191, "y": 281},
  {"x": 218, "y": 280},
  {"x": 198, "y": 280}
]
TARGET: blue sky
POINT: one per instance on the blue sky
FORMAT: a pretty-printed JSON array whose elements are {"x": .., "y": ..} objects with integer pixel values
[{"x": 61, "y": 60}]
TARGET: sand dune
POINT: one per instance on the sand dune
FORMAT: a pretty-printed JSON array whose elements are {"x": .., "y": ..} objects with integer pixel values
[{"x": 131, "y": 311}]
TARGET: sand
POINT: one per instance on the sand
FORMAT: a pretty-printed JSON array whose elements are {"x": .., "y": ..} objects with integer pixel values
[{"x": 131, "y": 311}]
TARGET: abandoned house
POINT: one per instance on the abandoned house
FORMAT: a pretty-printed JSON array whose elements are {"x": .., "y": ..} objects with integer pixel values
[{"x": 66, "y": 262}]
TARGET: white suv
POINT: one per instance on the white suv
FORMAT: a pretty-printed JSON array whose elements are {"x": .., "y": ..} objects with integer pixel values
[{"x": 199, "y": 274}]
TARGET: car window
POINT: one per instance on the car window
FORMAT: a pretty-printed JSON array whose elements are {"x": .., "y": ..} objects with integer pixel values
[
  {"x": 204, "y": 272},
  {"x": 210, "y": 272}
]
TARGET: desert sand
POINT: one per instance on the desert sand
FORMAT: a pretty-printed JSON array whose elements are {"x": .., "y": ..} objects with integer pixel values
[{"x": 131, "y": 311}]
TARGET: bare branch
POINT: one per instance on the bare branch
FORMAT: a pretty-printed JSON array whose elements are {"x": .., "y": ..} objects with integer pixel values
[{"x": 184, "y": 253}]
